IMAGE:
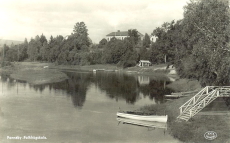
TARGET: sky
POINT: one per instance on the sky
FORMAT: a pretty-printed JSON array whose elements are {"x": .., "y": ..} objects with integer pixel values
[{"x": 20, "y": 19}]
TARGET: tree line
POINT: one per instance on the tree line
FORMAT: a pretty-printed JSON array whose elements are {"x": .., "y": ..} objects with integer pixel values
[
  {"x": 197, "y": 45},
  {"x": 76, "y": 49}
]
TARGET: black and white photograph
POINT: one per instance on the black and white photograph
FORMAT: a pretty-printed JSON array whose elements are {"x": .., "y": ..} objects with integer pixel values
[{"x": 118, "y": 71}]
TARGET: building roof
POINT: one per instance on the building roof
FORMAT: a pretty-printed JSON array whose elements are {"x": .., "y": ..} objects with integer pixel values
[
  {"x": 118, "y": 33},
  {"x": 121, "y": 33},
  {"x": 145, "y": 61}
]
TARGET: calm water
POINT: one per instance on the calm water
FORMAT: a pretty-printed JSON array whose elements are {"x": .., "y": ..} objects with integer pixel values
[{"x": 80, "y": 109}]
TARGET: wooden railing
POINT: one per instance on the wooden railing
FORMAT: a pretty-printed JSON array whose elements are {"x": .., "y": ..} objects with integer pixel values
[
  {"x": 187, "y": 105},
  {"x": 201, "y": 104},
  {"x": 202, "y": 99}
]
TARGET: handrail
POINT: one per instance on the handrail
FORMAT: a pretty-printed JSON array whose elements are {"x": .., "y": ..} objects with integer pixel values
[
  {"x": 195, "y": 98},
  {"x": 186, "y": 104},
  {"x": 203, "y": 102}
]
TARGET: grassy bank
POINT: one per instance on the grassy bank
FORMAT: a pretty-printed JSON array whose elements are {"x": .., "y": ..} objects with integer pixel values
[
  {"x": 33, "y": 73},
  {"x": 195, "y": 128},
  {"x": 183, "y": 85},
  {"x": 39, "y": 76}
]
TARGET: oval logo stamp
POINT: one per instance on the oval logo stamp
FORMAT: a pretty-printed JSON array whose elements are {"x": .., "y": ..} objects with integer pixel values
[{"x": 210, "y": 135}]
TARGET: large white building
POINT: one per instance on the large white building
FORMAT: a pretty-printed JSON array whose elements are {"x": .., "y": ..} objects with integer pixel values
[{"x": 120, "y": 35}]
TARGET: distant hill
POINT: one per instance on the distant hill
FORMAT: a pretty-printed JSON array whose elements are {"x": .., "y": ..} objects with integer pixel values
[{"x": 9, "y": 42}]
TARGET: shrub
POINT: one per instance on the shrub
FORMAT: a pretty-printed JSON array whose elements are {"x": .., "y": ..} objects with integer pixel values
[{"x": 126, "y": 64}]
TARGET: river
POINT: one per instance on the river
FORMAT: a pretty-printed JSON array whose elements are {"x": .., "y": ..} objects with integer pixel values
[{"x": 81, "y": 109}]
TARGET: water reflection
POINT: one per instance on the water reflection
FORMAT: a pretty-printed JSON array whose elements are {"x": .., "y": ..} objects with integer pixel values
[
  {"x": 115, "y": 86},
  {"x": 76, "y": 87},
  {"x": 156, "y": 90},
  {"x": 118, "y": 86},
  {"x": 143, "y": 80}
]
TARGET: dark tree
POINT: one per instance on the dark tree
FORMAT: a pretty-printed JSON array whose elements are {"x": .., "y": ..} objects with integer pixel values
[
  {"x": 205, "y": 51},
  {"x": 163, "y": 50},
  {"x": 80, "y": 32},
  {"x": 134, "y": 36},
  {"x": 146, "y": 41},
  {"x": 102, "y": 43},
  {"x": 43, "y": 39}
]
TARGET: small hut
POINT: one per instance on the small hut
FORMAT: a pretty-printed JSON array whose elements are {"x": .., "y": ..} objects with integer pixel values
[{"x": 144, "y": 63}]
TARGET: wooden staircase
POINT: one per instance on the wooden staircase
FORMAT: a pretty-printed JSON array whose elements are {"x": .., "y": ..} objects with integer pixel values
[{"x": 201, "y": 100}]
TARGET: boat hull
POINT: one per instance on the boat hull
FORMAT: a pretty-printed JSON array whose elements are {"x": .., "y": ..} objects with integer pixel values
[
  {"x": 143, "y": 123},
  {"x": 153, "y": 118}
]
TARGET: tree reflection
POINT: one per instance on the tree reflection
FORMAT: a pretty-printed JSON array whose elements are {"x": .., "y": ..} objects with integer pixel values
[
  {"x": 76, "y": 87},
  {"x": 159, "y": 90},
  {"x": 118, "y": 86},
  {"x": 38, "y": 87},
  {"x": 10, "y": 82},
  {"x": 4, "y": 78},
  {"x": 123, "y": 86},
  {"x": 156, "y": 90}
]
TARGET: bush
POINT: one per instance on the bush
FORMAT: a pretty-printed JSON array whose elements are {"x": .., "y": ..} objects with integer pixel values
[
  {"x": 126, "y": 64},
  {"x": 85, "y": 59},
  {"x": 95, "y": 57}
]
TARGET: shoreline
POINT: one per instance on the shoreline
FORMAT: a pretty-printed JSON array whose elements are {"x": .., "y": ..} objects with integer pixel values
[
  {"x": 42, "y": 73},
  {"x": 158, "y": 72}
]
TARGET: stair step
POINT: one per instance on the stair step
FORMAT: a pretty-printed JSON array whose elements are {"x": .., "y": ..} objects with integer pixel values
[
  {"x": 184, "y": 116},
  {"x": 186, "y": 119},
  {"x": 188, "y": 115}
]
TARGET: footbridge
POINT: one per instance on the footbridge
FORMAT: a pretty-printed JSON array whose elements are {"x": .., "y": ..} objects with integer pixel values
[{"x": 201, "y": 100}]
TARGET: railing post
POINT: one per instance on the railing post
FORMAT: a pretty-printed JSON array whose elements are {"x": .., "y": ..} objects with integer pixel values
[
  {"x": 217, "y": 93},
  {"x": 207, "y": 90},
  {"x": 181, "y": 110},
  {"x": 190, "y": 113}
]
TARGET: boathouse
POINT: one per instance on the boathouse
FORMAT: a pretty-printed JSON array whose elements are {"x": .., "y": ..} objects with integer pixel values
[{"x": 144, "y": 63}]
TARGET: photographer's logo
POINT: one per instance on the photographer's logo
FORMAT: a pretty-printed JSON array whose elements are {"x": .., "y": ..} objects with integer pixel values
[{"x": 210, "y": 135}]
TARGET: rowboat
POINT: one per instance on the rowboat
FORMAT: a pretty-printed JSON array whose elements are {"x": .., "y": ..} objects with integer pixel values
[
  {"x": 154, "y": 118},
  {"x": 143, "y": 123}
]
